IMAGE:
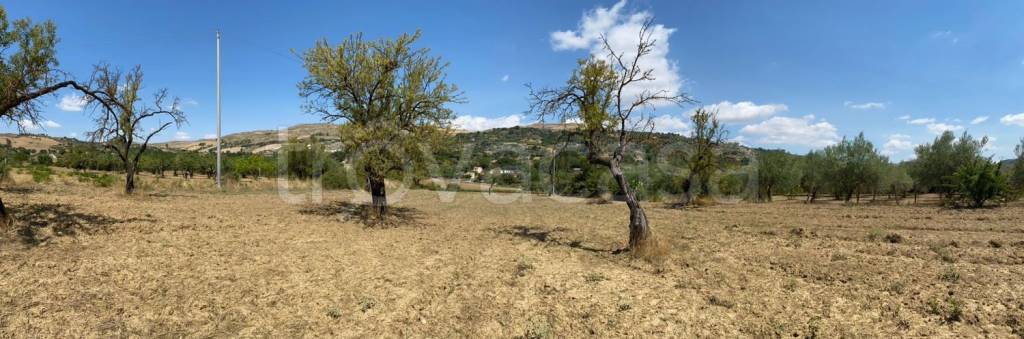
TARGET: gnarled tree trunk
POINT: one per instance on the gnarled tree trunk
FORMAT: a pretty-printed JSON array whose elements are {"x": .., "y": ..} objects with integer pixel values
[
  {"x": 129, "y": 179},
  {"x": 5, "y": 220},
  {"x": 378, "y": 193},
  {"x": 639, "y": 228}
]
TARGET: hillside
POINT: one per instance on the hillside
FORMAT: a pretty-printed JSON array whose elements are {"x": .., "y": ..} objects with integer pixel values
[{"x": 535, "y": 137}]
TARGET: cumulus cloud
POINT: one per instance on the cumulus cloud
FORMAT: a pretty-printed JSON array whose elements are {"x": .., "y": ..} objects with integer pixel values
[
  {"x": 671, "y": 124},
  {"x": 475, "y": 123},
  {"x": 622, "y": 30},
  {"x": 72, "y": 103},
  {"x": 744, "y": 111},
  {"x": 803, "y": 131},
  {"x": 864, "y": 106},
  {"x": 921, "y": 121},
  {"x": 897, "y": 144},
  {"x": 30, "y": 126},
  {"x": 1013, "y": 119},
  {"x": 979, "y": 120},
  {"x": 504, "y": 78},
  {"x": 938, "y": 128}
]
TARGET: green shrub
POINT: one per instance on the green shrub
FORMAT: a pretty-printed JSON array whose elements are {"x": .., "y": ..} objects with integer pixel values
[
  {"x": 41, "y": 174},
  {"x": 100, "y": 180},
  {"x": 336, "y": 179},
  {"x": 979, "y": 181}
]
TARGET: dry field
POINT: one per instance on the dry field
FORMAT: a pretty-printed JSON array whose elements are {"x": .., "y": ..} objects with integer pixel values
[{"x": 186, "y": 263}]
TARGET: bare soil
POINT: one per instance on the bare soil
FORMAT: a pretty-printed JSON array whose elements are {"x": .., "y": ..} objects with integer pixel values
[{"x": 84, "y": 261}]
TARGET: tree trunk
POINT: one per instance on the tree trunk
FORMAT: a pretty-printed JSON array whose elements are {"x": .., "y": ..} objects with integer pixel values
[
  {"x": 688, "y": 190},
  {"x": 5, "y": 220},
  {"x": 639, "y": 228},
  {"x": 129, "y": 179},
  {"x": 378, "y": 192}
]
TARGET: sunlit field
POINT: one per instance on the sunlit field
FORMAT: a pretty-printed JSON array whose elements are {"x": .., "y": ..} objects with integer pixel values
[{"x": 175, "y": 262}]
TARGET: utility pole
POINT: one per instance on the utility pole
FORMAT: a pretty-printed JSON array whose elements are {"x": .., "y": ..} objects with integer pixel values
[{"x": 218, "y": 110}]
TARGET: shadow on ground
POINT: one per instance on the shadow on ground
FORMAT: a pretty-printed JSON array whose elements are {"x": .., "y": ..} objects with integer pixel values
[
  {"x": 36, "y": 223},
  {"x": 363, "y": 213},
  {"x": 547, "y": 236}
]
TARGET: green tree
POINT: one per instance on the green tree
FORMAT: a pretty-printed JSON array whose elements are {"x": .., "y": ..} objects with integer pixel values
[
  {"x": 938, "y": 161},
  {"x": 391, "y": 98},
  {"x": 1017, "y": 172},
  {"x": 979, "y": 181},
  {"x": 702, "y": 160},
  {"x": 120, "y": 116},
  {"x": 28, "y": 64},
  {"x": 813, "y": 179},
  {"x": 776, "y": 172},
  {"x": 853, "y": 167},
  {"x": 601, "y": 95}
]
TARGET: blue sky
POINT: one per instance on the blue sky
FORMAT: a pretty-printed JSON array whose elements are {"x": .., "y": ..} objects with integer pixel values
[{"x": 792, "y": 74}]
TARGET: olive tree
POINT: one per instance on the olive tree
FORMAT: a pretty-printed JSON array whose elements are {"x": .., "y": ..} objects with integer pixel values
[
  {"x": 601, "y": 94},
  {"x": 937, "y": 161},
  {"x": 121, "y": 115},
  {"x": 1017, "y": 172},
  {"x": 707, "y": 135},
  {"x": 777, "y": 171},
  {"x": 813, "y": 180},
  {"x": 391, "y": 98}
]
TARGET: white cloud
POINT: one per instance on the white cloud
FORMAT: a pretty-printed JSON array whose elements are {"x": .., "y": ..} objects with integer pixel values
[
  {"x": 209, "y": 136},
  {"x": 896, "y": 144},
  {"x": 622, "y": 31},
  {"x": 945, "y": 36},
  {"x": 190, "y": 102},
  {"x": 979, "y": 120},
  {"x": 904, "y": 117},
  {"x": 671, "y": 124},
  {"x": 30, "y": 126},
  {"x": 938, "y": 128},
  {"x": 181, "y": 135},
  {"x": 921, "y": 121},
  {"x": 474, "y": 123},
  {"x": 743, "y": 111},
  {"x": 802, "y": 131},
  {"x": 864, "y": 106},
  {"x": 1013, "y": 119},
  {"x": 504, "y": 78},
  {"x": 72, "y": 103}
]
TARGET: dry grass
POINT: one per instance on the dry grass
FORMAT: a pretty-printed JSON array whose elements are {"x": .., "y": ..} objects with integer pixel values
[{"x": 173, "y": 262}]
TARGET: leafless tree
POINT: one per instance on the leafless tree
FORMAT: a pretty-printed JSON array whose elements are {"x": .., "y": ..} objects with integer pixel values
[
  {"x": 612, "y": 117},
  {"x": 120, "y": 114}
]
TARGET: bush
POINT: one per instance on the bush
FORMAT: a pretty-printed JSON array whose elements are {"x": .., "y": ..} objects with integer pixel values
[
  {"x": 99, "y": 180},
  {"x": 335, "y": 178},
  {"x": 978, "y": 182},
  {"x": 41, "y": 174}
]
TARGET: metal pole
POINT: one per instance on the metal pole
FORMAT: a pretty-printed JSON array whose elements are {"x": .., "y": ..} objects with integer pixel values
[{"x": 218, "y": 110}]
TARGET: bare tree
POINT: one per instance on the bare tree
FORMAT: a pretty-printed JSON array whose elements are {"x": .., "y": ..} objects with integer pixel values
[
  {"x": 120, "y": 114},
  {"x": 600, "y": 95}
]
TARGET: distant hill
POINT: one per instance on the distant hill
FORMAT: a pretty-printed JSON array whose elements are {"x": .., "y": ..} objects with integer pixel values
[
  {"x": 548, "y": 137},
  {"x": 262, "y": 141}
]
